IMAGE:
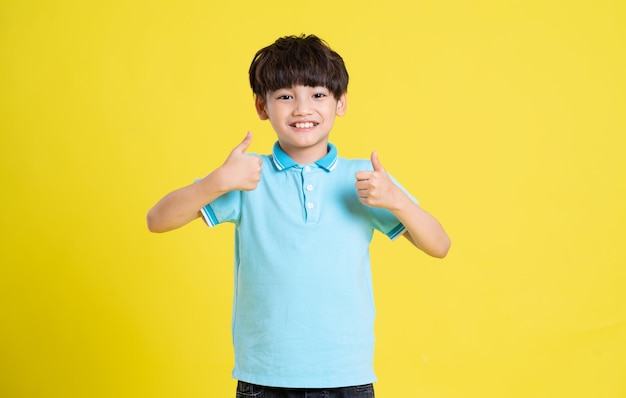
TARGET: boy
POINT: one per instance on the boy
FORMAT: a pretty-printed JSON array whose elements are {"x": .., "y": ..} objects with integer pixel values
[{"x": 303, "y": 312}]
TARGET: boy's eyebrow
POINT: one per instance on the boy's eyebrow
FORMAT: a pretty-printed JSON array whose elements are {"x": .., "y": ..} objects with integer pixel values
[{"x": 290, "y": 90}]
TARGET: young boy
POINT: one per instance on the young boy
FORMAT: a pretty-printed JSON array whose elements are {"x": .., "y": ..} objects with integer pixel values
[{"x": 303, "y": 312}]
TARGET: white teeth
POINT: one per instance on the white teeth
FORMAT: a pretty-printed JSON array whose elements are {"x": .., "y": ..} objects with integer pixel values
[{"x": 304, "y": 125}]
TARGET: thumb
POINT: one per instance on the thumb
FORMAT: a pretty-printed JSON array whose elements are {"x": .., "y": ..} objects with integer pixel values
[
  {"x": 243, "y": 146},
  {"x": 376, "y": 163}
]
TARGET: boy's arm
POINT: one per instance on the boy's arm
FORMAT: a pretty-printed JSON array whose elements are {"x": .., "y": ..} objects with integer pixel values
[
  {"x": 239, "y": 172},
  {"x": 376, "y": 189}
]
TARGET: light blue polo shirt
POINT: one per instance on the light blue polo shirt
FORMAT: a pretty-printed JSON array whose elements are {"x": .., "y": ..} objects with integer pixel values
[{"x": 303, "y": 310}]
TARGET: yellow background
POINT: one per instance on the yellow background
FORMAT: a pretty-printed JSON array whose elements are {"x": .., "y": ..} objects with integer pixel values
[{"x": 505, "y": 118}]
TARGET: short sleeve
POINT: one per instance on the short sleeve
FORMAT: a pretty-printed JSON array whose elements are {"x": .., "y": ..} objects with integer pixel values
[
  {"x": 226, "y": 208},
  {"x": 384, "y": 220}
]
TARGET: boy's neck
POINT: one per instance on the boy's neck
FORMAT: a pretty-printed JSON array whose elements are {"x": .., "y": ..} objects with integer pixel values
[{"x": 306, "y": 155}]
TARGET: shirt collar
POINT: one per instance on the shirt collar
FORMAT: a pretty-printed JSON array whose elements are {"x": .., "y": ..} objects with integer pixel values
[{"x": 282, "y": 161}]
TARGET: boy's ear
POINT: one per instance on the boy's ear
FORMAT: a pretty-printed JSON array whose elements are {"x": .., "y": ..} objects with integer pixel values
[
  {"x": 259, "y": 104},
  {"x": 342, "y": 103}
]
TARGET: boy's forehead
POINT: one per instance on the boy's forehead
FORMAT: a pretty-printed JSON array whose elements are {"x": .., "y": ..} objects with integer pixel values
[{"x": 301, "y": 86}]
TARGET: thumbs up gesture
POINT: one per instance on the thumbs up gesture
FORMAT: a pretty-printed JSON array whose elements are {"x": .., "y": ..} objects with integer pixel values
[
  {"x": 242, "y": 171},
  {"x": 375, "y": 188}
]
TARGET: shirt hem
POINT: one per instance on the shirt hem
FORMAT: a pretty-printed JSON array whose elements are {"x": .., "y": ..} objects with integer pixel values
[{"x": 291, "y": 382}]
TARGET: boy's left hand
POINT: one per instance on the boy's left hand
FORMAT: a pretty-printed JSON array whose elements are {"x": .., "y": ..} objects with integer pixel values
[{"x": 375, "y": 188}]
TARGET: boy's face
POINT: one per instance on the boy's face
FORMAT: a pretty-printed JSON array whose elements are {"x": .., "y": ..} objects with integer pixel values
[{"x": 302, "y": 118}]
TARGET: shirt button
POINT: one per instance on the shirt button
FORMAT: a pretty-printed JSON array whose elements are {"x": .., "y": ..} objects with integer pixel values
[
  {"x": 307, "y": 168},
  {"x": 310, "y": 205},
  {"x": 309, "y": 187}
]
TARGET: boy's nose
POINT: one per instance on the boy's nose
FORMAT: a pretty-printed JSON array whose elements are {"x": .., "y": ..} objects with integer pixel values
[{"x": 303, "y": 107}]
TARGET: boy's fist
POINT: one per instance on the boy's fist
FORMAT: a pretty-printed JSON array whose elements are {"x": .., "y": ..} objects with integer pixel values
[
  {"x": 375, "y": 188},
  {"x": 243, "y": 171}
]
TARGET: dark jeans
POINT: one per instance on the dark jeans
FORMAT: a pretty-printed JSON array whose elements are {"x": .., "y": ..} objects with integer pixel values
[{"x": 247, "y": 390}]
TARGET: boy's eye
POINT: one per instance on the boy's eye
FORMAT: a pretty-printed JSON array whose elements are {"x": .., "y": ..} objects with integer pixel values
[
  {"x": 282, "y": 95},
  {"x": 319, "y": 95}
]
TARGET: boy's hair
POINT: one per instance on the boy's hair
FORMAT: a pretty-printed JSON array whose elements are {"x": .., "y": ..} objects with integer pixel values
[{"x": 298, "y": 60}]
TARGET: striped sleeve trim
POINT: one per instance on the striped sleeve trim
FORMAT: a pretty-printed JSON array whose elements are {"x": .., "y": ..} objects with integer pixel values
[
  {"x": 397, "y": 231},
  {"x": 209, "y": 217}
]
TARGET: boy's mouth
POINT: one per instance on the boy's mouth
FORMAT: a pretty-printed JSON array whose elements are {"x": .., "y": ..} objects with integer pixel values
[{"x": 304, "y": 125}]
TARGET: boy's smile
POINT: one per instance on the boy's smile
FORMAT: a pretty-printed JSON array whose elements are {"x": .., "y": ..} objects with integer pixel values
[
  {"x": 302, "y": 117},
  {"x": 304, "y": 125}
]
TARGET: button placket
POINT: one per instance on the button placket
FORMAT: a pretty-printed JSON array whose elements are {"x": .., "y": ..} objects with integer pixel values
[{"x": 311, "y": 201}]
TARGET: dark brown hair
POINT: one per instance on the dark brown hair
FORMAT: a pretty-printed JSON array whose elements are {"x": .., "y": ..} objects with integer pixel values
[{"x": 298, "y": 60}]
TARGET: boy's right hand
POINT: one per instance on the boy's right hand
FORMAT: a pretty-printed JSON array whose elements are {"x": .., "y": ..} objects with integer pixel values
[{"x": 242, "y": 172}]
